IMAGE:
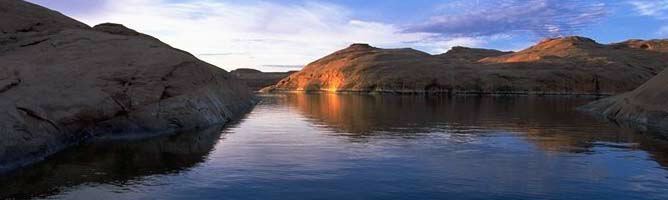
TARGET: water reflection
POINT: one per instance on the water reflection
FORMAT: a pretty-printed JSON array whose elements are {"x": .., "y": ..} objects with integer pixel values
[
  {"x": 112, "y": 162},
  {"x": 550, "y": 122},
  {"x": 328, "y": 146}
]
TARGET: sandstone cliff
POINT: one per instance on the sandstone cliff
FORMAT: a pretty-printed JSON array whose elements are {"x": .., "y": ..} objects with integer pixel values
[
  {"x": 62, "y": 82},
  {"x": 568, "y": 65}
]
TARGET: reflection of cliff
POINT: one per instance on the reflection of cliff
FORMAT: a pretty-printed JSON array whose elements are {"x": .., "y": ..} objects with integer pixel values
[
  {"x": 365, "y": 114},
  {"x": 111, "y": 162},
  {"x": 551, "y": 123}
]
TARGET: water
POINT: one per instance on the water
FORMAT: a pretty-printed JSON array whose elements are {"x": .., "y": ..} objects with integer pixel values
[{"x": 328, "y": 146}]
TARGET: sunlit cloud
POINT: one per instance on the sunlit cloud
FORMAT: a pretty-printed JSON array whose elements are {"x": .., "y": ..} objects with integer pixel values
[
  {"x": 261, "y": 34},
  {"x": 267, "y": 34},
  {"x": 543, "y": 18}
]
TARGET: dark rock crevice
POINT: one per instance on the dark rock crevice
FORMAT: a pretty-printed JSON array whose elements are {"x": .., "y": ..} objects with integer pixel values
[
  {"x": 33, "y": 114},
  {"x": 8, "y": 86},
  {"x": 36, "y": 42}
]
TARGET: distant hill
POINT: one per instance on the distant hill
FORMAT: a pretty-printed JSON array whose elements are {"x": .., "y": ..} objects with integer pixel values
[
  {"x": 566, "y": 65},
  {"x": 256, "y": 79}
]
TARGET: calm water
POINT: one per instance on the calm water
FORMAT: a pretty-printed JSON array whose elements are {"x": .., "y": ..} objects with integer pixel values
[{"x": 330, "y": 146}]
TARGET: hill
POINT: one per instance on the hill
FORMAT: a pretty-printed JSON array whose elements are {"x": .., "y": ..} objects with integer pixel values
[{"x": 567, "y": 65}]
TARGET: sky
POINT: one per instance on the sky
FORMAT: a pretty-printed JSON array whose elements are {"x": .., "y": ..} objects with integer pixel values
[{"x": 282, "y": 35}]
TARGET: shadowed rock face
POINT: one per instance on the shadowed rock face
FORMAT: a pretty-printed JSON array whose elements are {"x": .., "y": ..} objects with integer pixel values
[
  {"x": 257, "y": 80},
  {"x": 62, "y": 82},
  {"x": 645, "y": 107},
  {"x": 569, "y": 65}
]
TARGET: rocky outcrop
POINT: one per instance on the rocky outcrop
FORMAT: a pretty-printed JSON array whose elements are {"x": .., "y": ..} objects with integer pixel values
[
  {"x": 257, "y": 80},
  {"x": 645, "y": 107},
  {"x": 62, "y": 82},
  {"x": 652, "y": 45},
  {"x": 568, "y": 65}
]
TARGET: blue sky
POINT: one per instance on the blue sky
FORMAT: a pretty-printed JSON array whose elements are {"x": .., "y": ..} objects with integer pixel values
[{"x": 283, "y": 35}]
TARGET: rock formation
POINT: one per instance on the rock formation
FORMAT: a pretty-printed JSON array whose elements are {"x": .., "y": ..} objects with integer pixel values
[
  {"x": 62, "y": 83},
  {"x": 257, "y": 80},
  {"x": 645, "y": 107},
  {"x": 567, "y": 65}
]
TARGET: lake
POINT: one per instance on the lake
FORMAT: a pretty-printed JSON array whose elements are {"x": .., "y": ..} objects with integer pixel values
[{"x": 345, "y": 146}]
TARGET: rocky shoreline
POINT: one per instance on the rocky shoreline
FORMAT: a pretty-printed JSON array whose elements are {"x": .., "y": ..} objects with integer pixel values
[
  {"x": 643, "y": 108},
  {"x": 440, "y": 92}
]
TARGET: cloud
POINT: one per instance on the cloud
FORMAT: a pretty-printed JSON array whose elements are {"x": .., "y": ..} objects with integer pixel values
[
  {"x": 282, "y": 67},
  {"x": 663, "y": 31},
  {"x": 260, "y": 33},
  {"x": 653, "y": 8},
  {"x": 543, "y": 18}
]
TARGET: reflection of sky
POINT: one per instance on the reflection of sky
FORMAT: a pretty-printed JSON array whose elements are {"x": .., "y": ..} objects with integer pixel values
[
  {"x": 296, "y": 32},
  {"x": 280, "y": 151}
]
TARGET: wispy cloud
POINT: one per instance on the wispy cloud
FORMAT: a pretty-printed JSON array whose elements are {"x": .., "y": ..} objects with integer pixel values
[
  {"x": 653, "y": 8},
  {"x": 543, "y": 18},
  {"x": 663, "y": 31},
  {"x": 266, "y": 32}
]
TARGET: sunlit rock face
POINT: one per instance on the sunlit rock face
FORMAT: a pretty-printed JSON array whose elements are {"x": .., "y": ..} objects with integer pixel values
[
  {"x": 62, "y": 82},
  {"x": 568, "y": 65},
  {"x": 568, "y": 47},
  {"x": 645, "y": 107}
]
